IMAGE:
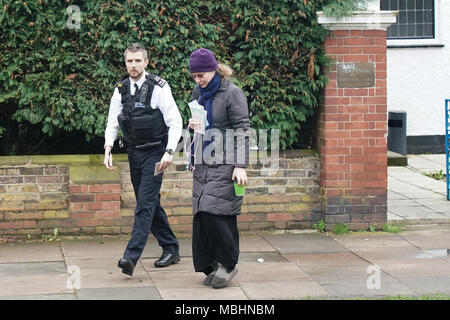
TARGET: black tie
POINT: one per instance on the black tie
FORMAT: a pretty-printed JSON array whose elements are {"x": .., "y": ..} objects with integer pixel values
[{"x": 136, "y": 92}]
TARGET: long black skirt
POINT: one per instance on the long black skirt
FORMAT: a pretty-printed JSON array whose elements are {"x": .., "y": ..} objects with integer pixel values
[{"x": 215, "y": 238}]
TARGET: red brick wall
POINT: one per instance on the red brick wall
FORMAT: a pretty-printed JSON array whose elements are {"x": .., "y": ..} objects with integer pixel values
[
  {"x": 96, "y": 208},
  {"x": 352, "y": 129}
]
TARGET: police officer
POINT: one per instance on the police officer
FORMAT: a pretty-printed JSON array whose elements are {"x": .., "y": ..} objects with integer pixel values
[{"x": 143, "y": 107}]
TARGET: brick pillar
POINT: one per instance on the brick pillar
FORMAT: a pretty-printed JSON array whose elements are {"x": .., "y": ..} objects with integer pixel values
[{"x": 353, "y": 122}]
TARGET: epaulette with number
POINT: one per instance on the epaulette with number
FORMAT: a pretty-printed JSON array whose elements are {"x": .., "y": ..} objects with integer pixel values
[
  {"x": 119, "y": 84},
  {"x": 157, "y": 80}
]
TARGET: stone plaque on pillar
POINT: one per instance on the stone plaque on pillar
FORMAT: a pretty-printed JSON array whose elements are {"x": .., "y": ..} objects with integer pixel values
[{"x": 355, "y": 75}]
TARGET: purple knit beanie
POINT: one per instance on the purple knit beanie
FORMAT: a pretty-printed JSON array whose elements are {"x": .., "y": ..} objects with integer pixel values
[{"x": 202, "y": 60}]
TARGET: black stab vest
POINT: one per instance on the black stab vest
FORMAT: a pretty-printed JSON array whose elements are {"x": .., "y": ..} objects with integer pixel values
[{"x": 141, "y": 125}]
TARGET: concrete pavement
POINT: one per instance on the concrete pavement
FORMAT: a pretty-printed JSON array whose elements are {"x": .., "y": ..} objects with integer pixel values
[
  {"x": 415, "y": 198},
  {"x": 299, "y": 264},
  {"x": 294, "y": 265}
]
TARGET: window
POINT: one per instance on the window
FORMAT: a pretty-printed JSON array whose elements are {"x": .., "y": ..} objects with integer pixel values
[{"x": 415, "y": 20}]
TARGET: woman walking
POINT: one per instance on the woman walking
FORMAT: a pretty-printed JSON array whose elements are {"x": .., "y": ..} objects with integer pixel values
[{"x": 215, "y": 242}]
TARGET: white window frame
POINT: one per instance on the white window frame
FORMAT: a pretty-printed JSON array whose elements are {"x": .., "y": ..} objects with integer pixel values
[{"x": 434, "y": 42}]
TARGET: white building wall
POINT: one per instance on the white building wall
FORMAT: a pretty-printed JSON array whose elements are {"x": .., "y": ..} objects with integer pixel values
[{"x": 418, "y": 79}]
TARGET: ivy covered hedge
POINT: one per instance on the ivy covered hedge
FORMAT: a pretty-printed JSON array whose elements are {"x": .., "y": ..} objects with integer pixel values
[{"x": 59, "y": 65}]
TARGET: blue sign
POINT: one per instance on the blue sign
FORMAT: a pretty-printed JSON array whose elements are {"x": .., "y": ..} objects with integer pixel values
[{"x": 447, "y": 142}]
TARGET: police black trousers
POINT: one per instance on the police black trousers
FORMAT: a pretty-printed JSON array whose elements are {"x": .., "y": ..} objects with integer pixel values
[
  {"x": 215, "y": 238},
  {"x": 149, "y": 216}
]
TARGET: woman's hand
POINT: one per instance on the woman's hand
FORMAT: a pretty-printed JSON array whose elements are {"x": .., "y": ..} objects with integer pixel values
[
  {"x": 195, "y": 124},
  {"x": 240, "y": 175}
]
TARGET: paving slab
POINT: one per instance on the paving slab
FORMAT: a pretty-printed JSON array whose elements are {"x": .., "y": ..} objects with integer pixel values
[
  {"x": 435, "y": 238},
  {"x": 414, "y": 267},
  {"x": 276, "y": 257},
  {"x": 273, "y": 279},
  {"x": 205, "y": 293},
  {"x": 365, "y": 241},
  {"x": 440, "y": 203},
  {"x": 186, "y": 263},
  {"x": 170, "y": 279},
  {"x": 406, "y": 202},
  {"x": 438, "y": 208},
  {"x": 415, "y": 177},
  {"x": 421, "y": 194},
  {"x": 30, "y": 252},
  {"x": 352, "y": 281},
  {"x": 248, "y": 243},
  {"x": 356, "y": 290},
  {"x": 31, "y": 268},
  {"x": 153, "y": 250},
  {"x": 254, "y": 244},
  {"x": 65, "y": 296},
  {"x": 389, "y": 253},
  {"x": 434, "y": 253},
  {"x": 263, "y": 272},
  {"x": 139, "y": 293},
  {"x": 345, "y": 258},
  {"x": 403, "y": 186},
  {"x": 392, "y": 217},
  {"x": 285, "y": 290},
  {"x": 427, "y": 163},
  {"x": 395, "y": 194},
  {"x": 33, "y": 278},
  {"x": 421, "y": 221},
  {"x": 334, "y": 274},
  {"x": 304, "y": 243},
  {"x": 94, "y": 248},
  {"x": 104, "y": 272},
  {"x": 433, "y": 190},
  {"x": 106, "y": 247},
  {"x": 427, "y": 285},
  {"x": 411, "y": 182},
  {"x": 418, "y": 213}
]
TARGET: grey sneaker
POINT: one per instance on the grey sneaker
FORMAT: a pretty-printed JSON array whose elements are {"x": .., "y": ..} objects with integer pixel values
[
  {"x": 222, "y": 277},
  {"x": 210, "y": 277}
]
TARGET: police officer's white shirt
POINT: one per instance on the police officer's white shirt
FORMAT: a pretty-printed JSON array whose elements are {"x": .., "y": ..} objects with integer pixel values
[{"x": 161, "y": 98}]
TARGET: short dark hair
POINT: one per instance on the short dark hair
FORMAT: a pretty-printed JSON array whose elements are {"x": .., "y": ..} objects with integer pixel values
[{"x": 135, "y": 47}]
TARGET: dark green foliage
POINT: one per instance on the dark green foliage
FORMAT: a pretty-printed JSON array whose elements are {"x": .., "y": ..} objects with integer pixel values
[
  {"x": 342, "y": 8},
  {"x": 62, "y": 79}
]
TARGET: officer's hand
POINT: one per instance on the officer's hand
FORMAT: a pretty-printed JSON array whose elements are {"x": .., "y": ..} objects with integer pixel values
[
  {"x": 166, "y": 160},
  {"x": 108, "y": 162}
]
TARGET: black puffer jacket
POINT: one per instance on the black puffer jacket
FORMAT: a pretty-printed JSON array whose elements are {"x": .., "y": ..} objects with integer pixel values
[{"x": 213, "y": 188}]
